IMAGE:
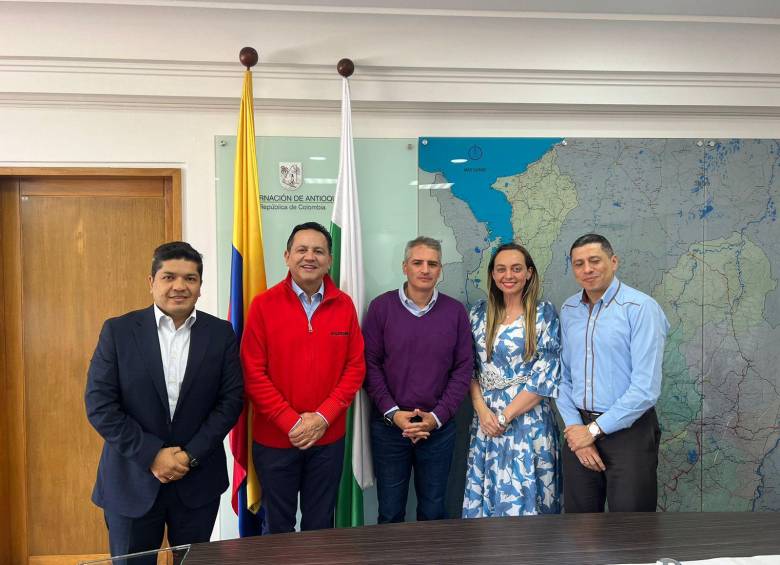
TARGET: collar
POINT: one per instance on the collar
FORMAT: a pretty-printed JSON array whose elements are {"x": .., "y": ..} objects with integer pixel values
[
  {"x": 331, "y": 290},
  {"x": 298, "y": 290},
  {"x": 406, "y": 300},
  {"x": 608, "y": 295},
  {"x": 159, "y": 315}
]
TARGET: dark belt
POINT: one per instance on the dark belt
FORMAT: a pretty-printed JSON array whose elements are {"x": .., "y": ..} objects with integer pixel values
[{"x": 588, "y": 416}]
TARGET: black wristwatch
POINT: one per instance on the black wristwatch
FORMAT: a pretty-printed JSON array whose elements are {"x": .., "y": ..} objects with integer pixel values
[
  {"x": 389, "y": 417},
  {"x": 193, "y": 461}
]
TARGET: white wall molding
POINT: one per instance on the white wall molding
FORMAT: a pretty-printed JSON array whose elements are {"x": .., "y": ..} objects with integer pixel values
[
  {"x": 216, "y": 85},
  {"x": 279, "y": 106},
  {"x": 275, "y": 71},
  {"x": 152, "y": 38}
]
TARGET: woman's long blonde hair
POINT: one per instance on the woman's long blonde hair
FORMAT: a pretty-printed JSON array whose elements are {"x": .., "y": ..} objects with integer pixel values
[{"x": 496, "y": 307}]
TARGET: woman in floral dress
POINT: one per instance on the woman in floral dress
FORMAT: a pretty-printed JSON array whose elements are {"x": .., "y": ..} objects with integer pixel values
[{"x": 513, "y": 460}]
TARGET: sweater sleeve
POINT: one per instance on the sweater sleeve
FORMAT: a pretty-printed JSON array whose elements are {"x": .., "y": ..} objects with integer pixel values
[
  {"x": 373, "y": 334},
  {"x": 266, "y": 398},
  {"x": 461, "y": 372},
  {"x": 352, "y": 376}
]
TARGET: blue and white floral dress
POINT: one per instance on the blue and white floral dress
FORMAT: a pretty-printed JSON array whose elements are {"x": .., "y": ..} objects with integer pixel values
[{"x": 519, "y": 472}]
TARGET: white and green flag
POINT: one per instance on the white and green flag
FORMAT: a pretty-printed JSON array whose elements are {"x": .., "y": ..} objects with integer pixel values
[{"x": 347, "y": 273}]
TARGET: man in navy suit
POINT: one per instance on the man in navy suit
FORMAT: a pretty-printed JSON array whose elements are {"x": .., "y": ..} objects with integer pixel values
[{"x": 164, "y": 387}]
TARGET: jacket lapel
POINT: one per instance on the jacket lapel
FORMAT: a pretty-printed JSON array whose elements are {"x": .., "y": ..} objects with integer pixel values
[
  {"x": 198, "y": 344},
  {"x": 149, "y": 344}
]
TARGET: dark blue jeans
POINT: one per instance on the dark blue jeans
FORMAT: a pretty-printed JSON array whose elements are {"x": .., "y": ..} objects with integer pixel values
[{"x": 394, "y": 458}]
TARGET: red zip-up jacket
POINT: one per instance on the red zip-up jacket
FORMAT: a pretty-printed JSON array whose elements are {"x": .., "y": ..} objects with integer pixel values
[{"x": 291, "y": 367}]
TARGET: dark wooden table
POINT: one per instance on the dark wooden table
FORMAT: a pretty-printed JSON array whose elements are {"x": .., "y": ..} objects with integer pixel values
[{"x": 556, "y": 540}]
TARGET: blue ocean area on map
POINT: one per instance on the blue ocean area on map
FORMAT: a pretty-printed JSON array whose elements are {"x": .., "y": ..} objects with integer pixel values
[{"x": 479, "y": 162}]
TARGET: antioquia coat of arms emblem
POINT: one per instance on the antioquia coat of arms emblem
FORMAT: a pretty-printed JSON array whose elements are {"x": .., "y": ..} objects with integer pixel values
[{"x": 291, "y": 175}]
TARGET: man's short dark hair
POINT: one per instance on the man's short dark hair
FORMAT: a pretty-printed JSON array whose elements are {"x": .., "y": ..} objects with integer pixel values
[
  {"x": 429, "y": 242},
  {"x": 589, "y": 238},
  {"x": 176, "y": 250},
  {"x": 311, "y": 226}
]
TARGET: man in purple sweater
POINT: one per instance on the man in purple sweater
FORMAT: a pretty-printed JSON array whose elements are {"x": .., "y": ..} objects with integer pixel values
[{"x": 419, "y": 362}]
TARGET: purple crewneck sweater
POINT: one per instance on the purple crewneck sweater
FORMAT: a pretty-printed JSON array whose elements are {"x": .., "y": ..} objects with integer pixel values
[{"x": 412, "y": 362}]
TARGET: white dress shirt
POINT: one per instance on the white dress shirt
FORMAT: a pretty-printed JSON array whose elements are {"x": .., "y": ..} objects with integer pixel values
[{"x": 174, "y": 350}]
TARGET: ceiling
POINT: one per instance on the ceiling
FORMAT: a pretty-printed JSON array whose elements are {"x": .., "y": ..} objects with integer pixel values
[
  {"x": 701, "y": 8},
  {"x": 597, "y": 9}
]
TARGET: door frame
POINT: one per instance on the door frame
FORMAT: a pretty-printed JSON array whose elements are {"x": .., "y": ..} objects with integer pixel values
[{"x": 14, "y": 541}]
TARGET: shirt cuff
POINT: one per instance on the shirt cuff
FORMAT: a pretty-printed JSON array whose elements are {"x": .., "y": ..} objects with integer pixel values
[
  {"x": 298, "y": 421},
  {"x": 393, "y": 408},
  {"x": 607, "y": 423},
  {"x": 438, "y": 422},
  {"x": 324, "y": 418},
  {"x": 569, "y": 413}
]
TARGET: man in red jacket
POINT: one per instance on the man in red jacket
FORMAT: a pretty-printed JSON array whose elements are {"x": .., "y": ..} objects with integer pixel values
[{"x": 302, "y": 353}]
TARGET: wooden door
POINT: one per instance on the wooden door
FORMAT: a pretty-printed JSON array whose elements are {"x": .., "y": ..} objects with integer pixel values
[{"x": 76, "y": 249}]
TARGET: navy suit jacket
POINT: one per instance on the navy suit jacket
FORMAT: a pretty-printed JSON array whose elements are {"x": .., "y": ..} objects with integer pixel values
[{"x": 127, "y": 403}]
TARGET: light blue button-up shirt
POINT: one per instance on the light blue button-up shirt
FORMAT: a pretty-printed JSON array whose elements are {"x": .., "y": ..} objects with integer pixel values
[
  {"x": 611, "y": 356},
  {"x": 412, "y": 307},
  {"x": 316, "y": 299}
]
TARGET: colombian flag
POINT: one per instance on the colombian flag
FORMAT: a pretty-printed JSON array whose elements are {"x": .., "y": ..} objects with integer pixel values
[{"x": 247, "y": 280}]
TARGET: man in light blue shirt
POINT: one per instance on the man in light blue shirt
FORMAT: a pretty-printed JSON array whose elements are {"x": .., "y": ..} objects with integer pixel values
[{"x": 612, "y": 351}]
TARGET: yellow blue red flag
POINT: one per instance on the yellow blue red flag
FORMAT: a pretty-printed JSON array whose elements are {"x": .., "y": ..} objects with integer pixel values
[{"x": 247, "y": 280}]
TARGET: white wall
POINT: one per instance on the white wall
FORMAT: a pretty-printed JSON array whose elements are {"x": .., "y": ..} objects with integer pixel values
[{"x": 122, "y": 85}]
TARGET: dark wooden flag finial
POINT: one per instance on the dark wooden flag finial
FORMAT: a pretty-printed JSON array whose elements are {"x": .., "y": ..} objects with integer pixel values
[
  {"x": 345, "y": 67},
  {"x": 248, "y": 57}
]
